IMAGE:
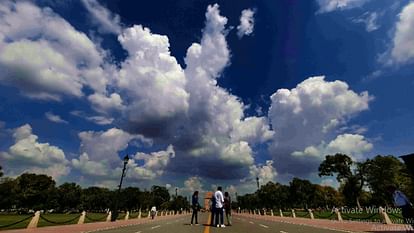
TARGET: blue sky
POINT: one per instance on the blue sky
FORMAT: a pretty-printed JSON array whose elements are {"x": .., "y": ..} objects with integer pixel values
[{"x": 202, "y": 93}]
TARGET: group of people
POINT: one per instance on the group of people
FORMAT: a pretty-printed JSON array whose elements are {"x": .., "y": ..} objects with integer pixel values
[{"x": 220, "y": 205}]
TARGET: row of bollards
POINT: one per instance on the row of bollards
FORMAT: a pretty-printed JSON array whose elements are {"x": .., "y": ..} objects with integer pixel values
[
  {"x": 383, "y": 214},
  {"x": 35, "y": 220}
]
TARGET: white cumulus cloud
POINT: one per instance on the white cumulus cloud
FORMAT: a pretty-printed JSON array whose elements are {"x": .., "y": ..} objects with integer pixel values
[
  {"x": 154, "y": 163},
  {"x": 246, "y": 25},
  {"x": 403, "y": 40},
  {"x": 29, "y": 155},
  {"x": 44, "y": 56},
  {"x": 308, "y": 115},
  {"x": 353, "y": 145}
]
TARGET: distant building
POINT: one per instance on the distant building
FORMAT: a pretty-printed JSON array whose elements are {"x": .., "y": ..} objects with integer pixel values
[{"x": 207, "y": 199}]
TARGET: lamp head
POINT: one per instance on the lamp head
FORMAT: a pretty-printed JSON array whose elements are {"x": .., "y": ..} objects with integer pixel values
[{"x": 126, "y": 159}]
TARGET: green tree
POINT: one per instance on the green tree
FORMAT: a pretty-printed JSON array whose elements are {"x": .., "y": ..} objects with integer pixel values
[
  {"x": 301, "y": 192},
  {"x": 7, "y": 193},
  {"x": 327, "y": 197},
  {"x": 273, "y": 195},
  {"x": 34, "y": 191},
  {"x": 159, "y": 195},
  {"x": 97, "y": 199},
  {"x": 130, "y": 198},
  {"x": 145, "y": 200},
  {"x": 69, "y": 196},
  {"x": 350, "y": 174},
  {"x": 177, "y": 203},
  {"x": 382, "y": 171}
]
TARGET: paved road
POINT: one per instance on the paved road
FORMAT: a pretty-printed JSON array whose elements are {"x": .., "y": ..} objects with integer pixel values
[{"x": 240, "y": 225}]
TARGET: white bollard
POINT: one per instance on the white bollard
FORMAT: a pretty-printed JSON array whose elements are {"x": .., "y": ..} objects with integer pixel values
[
  {"x": 82, "y": 218},
  {"x": 139, "y": 214},
  {"x": 126, "y": 215},
  {"x": 338, "y": 215},
  {"x": 280, "y": 213},
  {"x": 271, "y": 213},
  {"x": 35, "y": 220},
  {"x": 311, "y": 214},
  {"x": 149, "y": 214},
  {"x": 384, "y": 216},
  {"x": 108, "y": 218},
  {"x": 293, "y": 213}
]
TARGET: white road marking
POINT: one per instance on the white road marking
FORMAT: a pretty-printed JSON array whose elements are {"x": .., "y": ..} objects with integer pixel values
[
  {"x": 152, "y": 228},
  {"x": 283, "y": 232},
  {"x": 251, "y": 222},
  {"x": 263, "y": 226},
  {"x": 138, "y": 232}
]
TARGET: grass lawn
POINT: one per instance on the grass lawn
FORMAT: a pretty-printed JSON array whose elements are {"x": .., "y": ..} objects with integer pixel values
[
  {"x": 95, "y": 217},
  {"x": 59, "y": 219},
  {"x": 6, "y": 219}
]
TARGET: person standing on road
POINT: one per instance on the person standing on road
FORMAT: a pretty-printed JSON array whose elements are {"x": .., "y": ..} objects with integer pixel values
[
  {"x": 227, "y": 207},
  {"x": 401, "y": 201},
  {"x": 195, "y": 207},
  {"x": 153, "y": 212},
  {"x": 213, "y": 210},
  {"x": 219, "y": 207}
]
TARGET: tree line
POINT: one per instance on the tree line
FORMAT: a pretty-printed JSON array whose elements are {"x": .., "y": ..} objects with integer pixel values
[
  {"x": 39, "y": 192},
  {"x": 360, "y": 184}
]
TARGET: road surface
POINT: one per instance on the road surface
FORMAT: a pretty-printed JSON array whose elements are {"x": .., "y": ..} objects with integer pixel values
[{"x": 240, "y": 225}]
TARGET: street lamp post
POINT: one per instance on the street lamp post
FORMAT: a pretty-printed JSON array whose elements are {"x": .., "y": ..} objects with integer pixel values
[
  {"x": 114, "y": 215},
  {"x": 257, "y": 180},
  {"x": 176, "y": 192}
]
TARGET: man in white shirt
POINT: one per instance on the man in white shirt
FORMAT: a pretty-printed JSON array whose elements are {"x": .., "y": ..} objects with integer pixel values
[
  {"x": 153, "y": 212},
  {"x": 218, "y": 195},
  {"x": 401, "y": 201}
]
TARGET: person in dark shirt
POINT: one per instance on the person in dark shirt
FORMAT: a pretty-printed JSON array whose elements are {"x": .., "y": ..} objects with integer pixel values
[
  {"x": 213, "y": 210},
  {"x": 401, "y": 201},
  {"x": 195, "y": 207},
  {"x": 227, "y": 207}
]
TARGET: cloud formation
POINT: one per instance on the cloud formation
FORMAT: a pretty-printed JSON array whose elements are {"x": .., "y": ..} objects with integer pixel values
[
  {"x": 403, "y": 40},
  {"x": 332, "y": 5},
  {"x": 307, "y": 115},
  {"x": 44, "y": 56},
  {"x": 29, "y": 155},
  {"x": 103, "y": 18},
  {"x": 150, "y": 99},
  {"x": 353, "y": 145},
  {"x": 370, "y": 19},
  {"x": 246, "y": 25},
  {"x": 99, "y": 158},
  {"x": 55, "y": 118}
]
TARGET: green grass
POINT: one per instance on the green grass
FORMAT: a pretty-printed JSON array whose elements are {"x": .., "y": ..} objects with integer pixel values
[
  {"x": 6, "y": 219},
  {"x": 374, "y": 217},
  {"x": 101, "y": 217},
  {"x": 302, "y": 214},
  {"x": 59, "y": 219},
  {"x": 121, "y": 216},
  {"x": 287, "y": 214},
  {"x": 134, "y": 215},
  {"x": 396, "y": 218},
  {"x": 324, "y": 215}
]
